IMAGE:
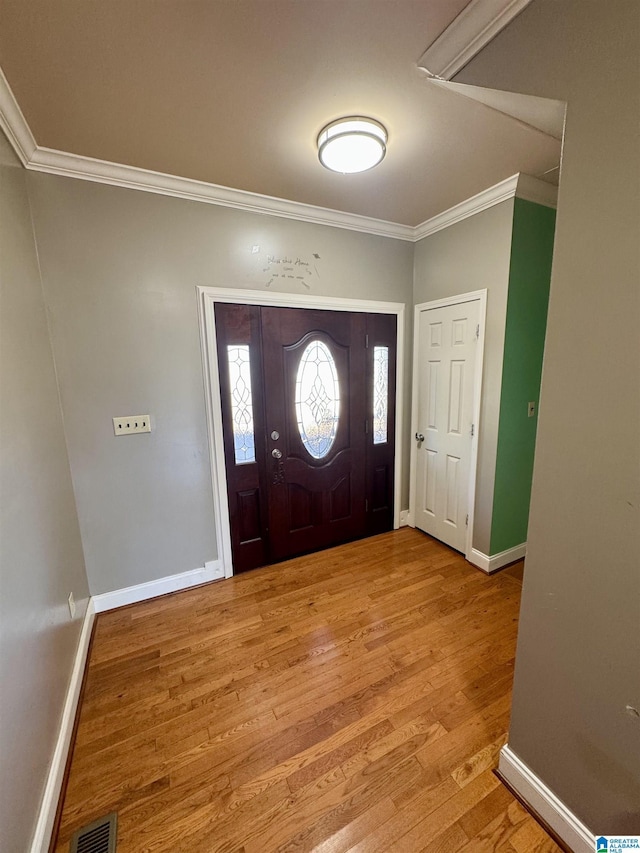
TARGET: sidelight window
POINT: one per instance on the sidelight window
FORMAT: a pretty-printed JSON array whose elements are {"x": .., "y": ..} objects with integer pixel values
[
  {"x": 317, "y": 399},
  {"x": 380, "y": 394},
  {"x": 244, "y": 445}
]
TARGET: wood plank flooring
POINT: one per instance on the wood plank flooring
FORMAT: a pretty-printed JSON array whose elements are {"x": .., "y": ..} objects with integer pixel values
[{"x": 353, "y": 700}]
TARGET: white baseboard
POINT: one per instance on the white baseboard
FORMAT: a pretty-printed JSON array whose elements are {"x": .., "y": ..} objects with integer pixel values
[
  {"x": 404, "y": 518},
  {"x": 49, "y": 805},
  {"x": 211, "y": 571},
  {"x": 545, "y": 803},
  {"x": 497, "y": 561}
]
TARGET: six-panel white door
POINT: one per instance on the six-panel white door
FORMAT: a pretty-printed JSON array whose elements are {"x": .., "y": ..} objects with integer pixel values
[{"x": 446, "y": 349}]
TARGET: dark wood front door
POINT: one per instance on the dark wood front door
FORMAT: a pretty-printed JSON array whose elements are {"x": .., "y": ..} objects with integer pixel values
[{"x": 309, "y": 423}]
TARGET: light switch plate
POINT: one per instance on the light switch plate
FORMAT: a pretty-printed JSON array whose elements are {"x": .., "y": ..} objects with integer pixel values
[
  {"x": 531, "y": 410},
  {"x": 131, "y": 424}
]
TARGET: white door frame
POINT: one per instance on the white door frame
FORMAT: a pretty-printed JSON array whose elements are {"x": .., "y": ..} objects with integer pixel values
[
  {"x": 207, "y": 298},
  {"x": 474, "y": 295}
]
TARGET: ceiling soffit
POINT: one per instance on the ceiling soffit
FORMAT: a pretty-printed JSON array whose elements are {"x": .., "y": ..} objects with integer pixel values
[{"x": 544, "y": 114}]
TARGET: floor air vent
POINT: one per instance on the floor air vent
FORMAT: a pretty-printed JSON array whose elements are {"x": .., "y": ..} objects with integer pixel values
[{"x": 96, "y": 837}]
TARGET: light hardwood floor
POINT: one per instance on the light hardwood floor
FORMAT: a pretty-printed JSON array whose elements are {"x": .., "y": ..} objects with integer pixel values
[{"x": 353, "y": 700}]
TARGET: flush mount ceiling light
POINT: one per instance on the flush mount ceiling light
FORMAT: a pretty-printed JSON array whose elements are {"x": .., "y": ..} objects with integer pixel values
[{"x": 352, "y": 144}]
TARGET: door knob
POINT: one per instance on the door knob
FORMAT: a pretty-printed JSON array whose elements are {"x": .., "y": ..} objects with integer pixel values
[
  {"x": 419, "y": 436},
  {"x": 277, "y": 454}
]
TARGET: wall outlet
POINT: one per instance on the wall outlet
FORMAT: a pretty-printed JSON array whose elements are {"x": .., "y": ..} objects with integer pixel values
[
  {"x": 131, "y": 424},
  {"x": 72, "y": 605}
]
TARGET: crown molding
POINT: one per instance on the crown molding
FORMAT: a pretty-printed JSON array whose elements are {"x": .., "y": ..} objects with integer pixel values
[
  {"x": 52, "y": 162},
  {"x": 517, "y": 186},
  {"x": 475, "y": 27},
  {"x": 487, "y": 198},
  {"x": 14, "y": 124},
  {"x": 132, "y": 177}
]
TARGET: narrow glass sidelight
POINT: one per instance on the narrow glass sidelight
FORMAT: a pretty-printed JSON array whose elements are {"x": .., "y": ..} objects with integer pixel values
[
  {"x": 244, "y": 445},
  {"x": 380, "y": 394},
  {"x": 317, "y": 399}
]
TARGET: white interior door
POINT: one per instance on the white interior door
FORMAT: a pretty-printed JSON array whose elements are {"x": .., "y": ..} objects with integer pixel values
[{"x": 447, "y": 343}]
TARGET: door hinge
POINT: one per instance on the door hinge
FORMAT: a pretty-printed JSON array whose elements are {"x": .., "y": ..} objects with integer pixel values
[
  {"x": 366, "y": 505},
  {"x": 466, "y": 521},
  {"x": 473, "y": 430},
  {"x": 366, "y": 426},
  {"x": 478, "y": 331},
  {"x": 366, "y": 341}
]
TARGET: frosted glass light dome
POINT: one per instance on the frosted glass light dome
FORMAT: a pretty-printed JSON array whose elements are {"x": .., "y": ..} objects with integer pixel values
[{"x": 352, "y": 144}]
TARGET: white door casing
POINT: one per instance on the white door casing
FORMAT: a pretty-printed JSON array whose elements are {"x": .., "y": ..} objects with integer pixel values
[
  {"x": 207, "y": 297},
  {"x": 447, "y": 378}
]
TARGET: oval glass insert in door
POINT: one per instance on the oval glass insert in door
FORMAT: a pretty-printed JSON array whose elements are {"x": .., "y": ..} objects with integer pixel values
[{"x": 317, "y": 399}]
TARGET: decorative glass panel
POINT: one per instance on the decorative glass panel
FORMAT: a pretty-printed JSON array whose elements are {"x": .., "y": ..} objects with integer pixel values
[
  {"x": 317, "y": 399},
  {"x": 241, "y": 403},
  {"x": 380, "y": 394}
]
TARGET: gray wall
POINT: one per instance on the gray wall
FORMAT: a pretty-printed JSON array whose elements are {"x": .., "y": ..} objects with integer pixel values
[
  {"x": 473, "y": 255},
  {"x": 578, "y": 660},
  {"x": 120, "y": 269},
  {"x": 41, "y": 554}
]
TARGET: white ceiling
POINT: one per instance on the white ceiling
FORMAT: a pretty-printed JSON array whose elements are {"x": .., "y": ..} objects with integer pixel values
[{"x": 234, "y": 92}]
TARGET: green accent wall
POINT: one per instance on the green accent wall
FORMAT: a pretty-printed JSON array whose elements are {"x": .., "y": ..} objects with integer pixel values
[{"x": 526, "y": 323}]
